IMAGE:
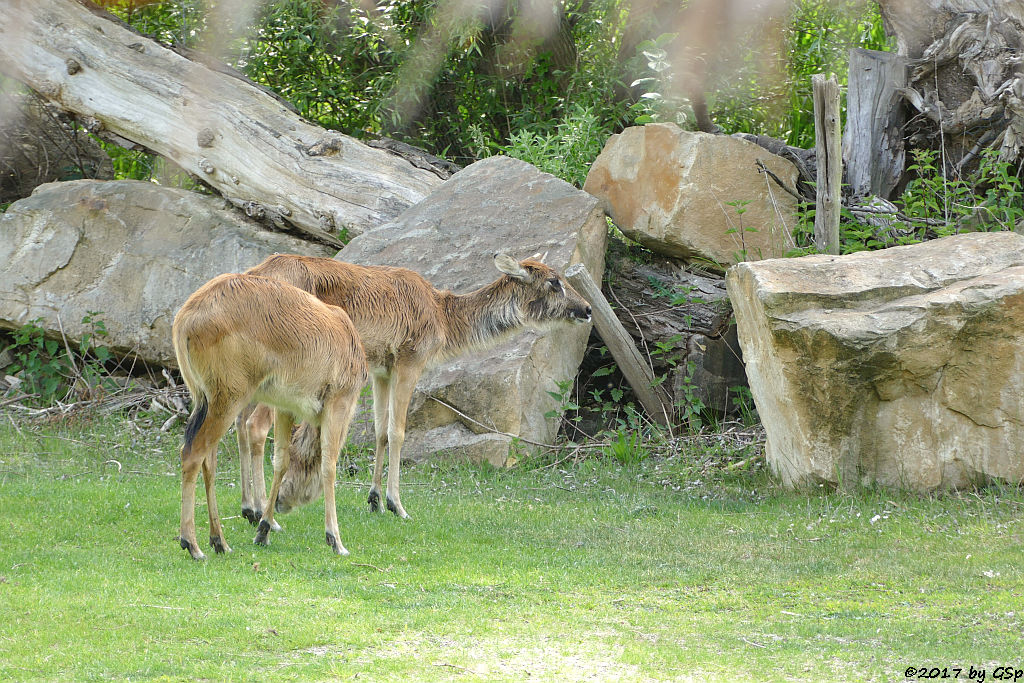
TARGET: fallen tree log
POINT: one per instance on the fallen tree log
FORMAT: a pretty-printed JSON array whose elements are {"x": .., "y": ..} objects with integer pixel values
[
  {"x": 233, "y": 136},
  {"x": 633, "y": 366}
]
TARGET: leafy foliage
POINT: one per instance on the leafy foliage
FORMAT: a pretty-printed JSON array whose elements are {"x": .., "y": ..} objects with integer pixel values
[
  {"x": 819, "y": 40},
  {"x": 462, "y": 86},
  {"x": 37, "y": 360},
  {"x": 567, "y": 152},
  {"x": 51, "y": 370},
  {"x": 936, "y": 204},
  {"x": 762, "y": 90},
  {"x": 549, "y": 90}
]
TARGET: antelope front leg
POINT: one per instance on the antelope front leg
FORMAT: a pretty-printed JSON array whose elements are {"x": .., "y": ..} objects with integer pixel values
[
  {"x": 381, "y": 398},
  {"x": 245, "y": 464},
  {"x": 332, "y": 436},
  {"x": 255, "y": 424},
  {"x": 283, "y": 423},
  {"x": 403, "y": 382},
  {"x": 259, "y": 426}
]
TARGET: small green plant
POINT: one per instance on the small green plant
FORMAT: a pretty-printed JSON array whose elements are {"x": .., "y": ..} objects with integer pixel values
[
  {"x": 564, "y": 397},
  {"x": 679, "y": 295},
  {"x": 743, "y": 403},
  {"x": 1003, "y": 205},
  {"x": 37, "y": 361},
  {"x": 51, "y": 370},
  {"x": 93, "y": 354},
  {"x": 627, "y": 447},
  {"x": 741, "y": 230},
  {"x": 691, "y": 406},
  {"x": 935, "y": 195},
  {"x": 606, "y": 404},
  {"x": 668, "y": 350}
]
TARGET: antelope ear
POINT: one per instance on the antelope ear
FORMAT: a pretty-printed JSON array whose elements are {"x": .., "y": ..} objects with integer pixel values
[{"x": 510, "y": 266}]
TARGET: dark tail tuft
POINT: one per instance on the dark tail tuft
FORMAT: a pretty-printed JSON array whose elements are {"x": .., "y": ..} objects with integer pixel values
[{"x": 195, "y": 421}]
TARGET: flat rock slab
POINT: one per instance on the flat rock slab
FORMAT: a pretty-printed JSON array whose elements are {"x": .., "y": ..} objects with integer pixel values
[
  {"x": 498, "y": 204},
  {"x": 132, "y": 250},
  {"x": 902, "y": 367},
  {"x": 695, "y": 196}
]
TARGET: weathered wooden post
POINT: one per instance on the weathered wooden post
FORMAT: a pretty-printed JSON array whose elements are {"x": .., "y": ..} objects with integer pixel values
[
  {"x": 828, "y": 144},
  {"x": 636, "y": 371},
  {"x": 873, "y": 149}
]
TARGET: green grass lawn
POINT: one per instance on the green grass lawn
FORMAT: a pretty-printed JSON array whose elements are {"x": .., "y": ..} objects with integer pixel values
[{"x": 670, "y": 569}]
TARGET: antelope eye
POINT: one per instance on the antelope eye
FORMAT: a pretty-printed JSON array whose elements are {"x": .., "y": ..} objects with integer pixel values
[{"x": 555, "y": 285}]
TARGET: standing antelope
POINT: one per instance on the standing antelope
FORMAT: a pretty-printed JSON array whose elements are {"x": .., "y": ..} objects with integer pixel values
[
  {"x": 243, "y": 338},
  {"x": 405, "y": 325}
]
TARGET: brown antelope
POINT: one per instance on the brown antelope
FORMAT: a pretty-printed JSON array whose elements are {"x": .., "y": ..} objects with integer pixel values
[
  {"x": 243, "y": 338},
  {"x": 405, "y": 325}
]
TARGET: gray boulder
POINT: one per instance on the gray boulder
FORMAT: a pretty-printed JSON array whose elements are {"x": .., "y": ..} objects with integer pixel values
[
  {"x": 132, "y": 250},
  {"x": 498, "y": 204},
  {"x": 902, "y": 367}
]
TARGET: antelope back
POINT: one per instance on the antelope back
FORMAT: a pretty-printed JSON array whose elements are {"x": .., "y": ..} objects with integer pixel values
[
  {"x": 394, "y": 310},
  {"x": 253, "y": 338}
]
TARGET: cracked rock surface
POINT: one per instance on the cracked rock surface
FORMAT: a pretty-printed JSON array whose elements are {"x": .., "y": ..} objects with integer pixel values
[
  {"x": 902, "y": 367},
  {"x": 131, "y": 250}
]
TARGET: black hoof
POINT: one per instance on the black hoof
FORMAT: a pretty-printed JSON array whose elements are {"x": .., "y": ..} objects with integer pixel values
[
  {"x": 391, "y": 506},
  {"x": 218, "y": 544},
  {"x": 253, "y": 516},
  {"x": 261, "y": 533},
  {"x": 193, "y": 551},
  {"x": 336, "y": 545},
  {"x": 374, "y": 501}
]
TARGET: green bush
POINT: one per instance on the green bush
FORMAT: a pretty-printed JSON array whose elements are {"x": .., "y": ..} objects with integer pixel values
[
  {"x": 51, "y": 370},
  {"x": 466, "y": 87},
  {"x": 740, "y": 98},
  {"x": 567, "y": 151},
  {"x": 937, "y": 204}
]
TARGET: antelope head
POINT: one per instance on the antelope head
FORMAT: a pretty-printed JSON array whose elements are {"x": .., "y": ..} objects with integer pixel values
[{"x": 541, "y": 293}]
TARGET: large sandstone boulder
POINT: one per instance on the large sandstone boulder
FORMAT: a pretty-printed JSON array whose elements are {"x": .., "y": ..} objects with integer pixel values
[
  {"x": 498, "y": 204},
  {"x": 902, "y": 367},
  {"x": 132, "y": 250},
  {"x": 671, "y": 190}
]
